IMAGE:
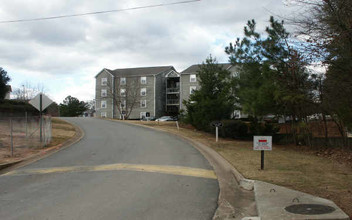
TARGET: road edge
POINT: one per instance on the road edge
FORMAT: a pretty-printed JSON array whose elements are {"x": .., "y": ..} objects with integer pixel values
[
  {"x": 236, "y": 197},
  {"x": 243, "y": 209},
  {"x": 7, "y": 167}
]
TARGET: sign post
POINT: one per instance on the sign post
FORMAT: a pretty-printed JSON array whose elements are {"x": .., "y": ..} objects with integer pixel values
[
  {"x": 216, "y": 124},
  {"x": 41, "y": 102},
  {"x": 262, "y": 143},
  {"x": 217, "y": 133}
]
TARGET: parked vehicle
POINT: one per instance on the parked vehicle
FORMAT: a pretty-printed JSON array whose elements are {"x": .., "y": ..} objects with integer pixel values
[
  {"x": 166, "y": 118},
  {"x": 148, "y": 119}
]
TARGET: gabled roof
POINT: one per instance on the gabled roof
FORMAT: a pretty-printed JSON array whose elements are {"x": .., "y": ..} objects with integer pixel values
[
  {"x": 172, "y": 73},
  {"x": 194, "y": 68},
  {"x": 140, "y": 71}
]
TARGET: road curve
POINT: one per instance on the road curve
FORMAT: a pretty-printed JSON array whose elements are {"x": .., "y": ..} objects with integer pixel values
[{"x": 117, "y": 171}]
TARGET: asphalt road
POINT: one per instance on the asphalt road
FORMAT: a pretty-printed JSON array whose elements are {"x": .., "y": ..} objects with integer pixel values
[{"x": 117, "y": 171}]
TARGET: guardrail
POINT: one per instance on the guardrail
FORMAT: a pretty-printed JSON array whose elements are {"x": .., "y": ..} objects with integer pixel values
[
  {"x": 173, "y": 90},
  {"x": 172, "y": 101}
]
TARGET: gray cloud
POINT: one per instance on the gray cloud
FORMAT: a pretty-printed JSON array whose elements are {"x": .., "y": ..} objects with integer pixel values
[{"x": 178, "y": 35}]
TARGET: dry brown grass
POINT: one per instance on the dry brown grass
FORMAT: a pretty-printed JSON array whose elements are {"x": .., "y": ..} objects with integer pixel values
[
  {"x": 285, "y": 165},
  {"x": 61, "y": 132}
]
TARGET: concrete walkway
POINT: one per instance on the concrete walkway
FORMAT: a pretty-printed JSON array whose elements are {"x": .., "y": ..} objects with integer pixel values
[{"x": 272, "y": 202}]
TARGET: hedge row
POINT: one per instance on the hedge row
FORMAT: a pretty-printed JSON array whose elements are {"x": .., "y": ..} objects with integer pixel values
[{"x": 238, "y": 129}]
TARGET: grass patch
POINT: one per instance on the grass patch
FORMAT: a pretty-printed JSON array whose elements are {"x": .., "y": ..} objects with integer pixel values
[
  {"x": 61, "y": 132},
  {"x": 285, "y": 165}
]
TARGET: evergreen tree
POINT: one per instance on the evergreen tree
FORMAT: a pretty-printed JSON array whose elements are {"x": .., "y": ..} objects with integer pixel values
[
  {"x": 214, "y": 100},
  {"x": 273, "y": 78},
  {"x": 72, "y": 107}
]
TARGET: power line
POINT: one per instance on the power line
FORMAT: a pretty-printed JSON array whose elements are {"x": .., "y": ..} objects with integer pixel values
[{"x": 98, "y": 12}]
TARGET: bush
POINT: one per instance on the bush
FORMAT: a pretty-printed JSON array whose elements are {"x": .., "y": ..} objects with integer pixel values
[
  {"x": 238, "y": 129},
  {"x": 16, "y": 108},
  {"x": 235, "y": 129},
  {"x": 232, "y": 129},
  {"x": 262, "y": 128}
]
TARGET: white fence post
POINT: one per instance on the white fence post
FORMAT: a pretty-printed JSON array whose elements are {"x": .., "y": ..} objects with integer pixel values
[{"x": 217, "y": 132}]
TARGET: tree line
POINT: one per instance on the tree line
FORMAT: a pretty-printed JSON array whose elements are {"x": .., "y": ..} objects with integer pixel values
[
  {"x": 70, "y": 106},
  {"x": 275, "y": 74}
]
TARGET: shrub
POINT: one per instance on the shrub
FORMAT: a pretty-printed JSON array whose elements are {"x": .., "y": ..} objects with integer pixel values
[{"x": 232, "y": 129}]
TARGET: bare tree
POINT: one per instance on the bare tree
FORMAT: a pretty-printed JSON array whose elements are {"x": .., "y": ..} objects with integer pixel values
[
  {"x": 28, "y": 91},
  {"x": 326, "y": 27},
  {"x": 125, "y": 95}
]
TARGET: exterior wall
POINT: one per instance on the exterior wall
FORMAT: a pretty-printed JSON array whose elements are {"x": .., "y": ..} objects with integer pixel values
[
  {"x": 185, "y": 88},
  {"x": 7, "y": 96},
  {"x": 135, "y": 114},
  {"x": 98, "y": 98}
]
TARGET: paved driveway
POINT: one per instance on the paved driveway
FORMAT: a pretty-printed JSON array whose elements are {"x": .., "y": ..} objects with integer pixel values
[{"x": 117, "y": 171}]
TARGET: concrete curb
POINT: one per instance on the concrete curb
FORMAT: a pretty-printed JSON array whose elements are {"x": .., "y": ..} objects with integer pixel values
[
  {"x": 5, "y": 165},
  {"x": 4, "y": 168}
]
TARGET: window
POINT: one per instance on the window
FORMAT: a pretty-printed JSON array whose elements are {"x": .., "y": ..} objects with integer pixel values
[
  {"x": 123, "y": 92},
  {"x": 143, "y": 91},
  {"x": 104, "y": 81},
  {"x": 192, "y": 89},
  {"x": 103, "y": 114},
  {"x": 143, "y": 80},
  {"x": 122, "y": 81},
  {"x": 143, "y": 103},
  {"x": 103, "y": 104},
  {"x": 193, "y": 78},
  {"x": 123, "y": 104},
  {"x": 103, "y": 93}
]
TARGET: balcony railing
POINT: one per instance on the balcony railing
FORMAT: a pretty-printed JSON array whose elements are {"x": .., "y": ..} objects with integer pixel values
[
  {"x": 173, "y": 90},
  {"x": 173, "y": 102}
]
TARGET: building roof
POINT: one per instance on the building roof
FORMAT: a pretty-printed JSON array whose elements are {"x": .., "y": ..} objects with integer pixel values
[
  {"x": 140, "y": 71},
  {"x": 194, "y": 68}
]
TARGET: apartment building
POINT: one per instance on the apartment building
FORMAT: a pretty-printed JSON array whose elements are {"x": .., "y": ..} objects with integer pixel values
[
  {"x": 132, "y": 92},
  {"x": 153, "y": 91}
]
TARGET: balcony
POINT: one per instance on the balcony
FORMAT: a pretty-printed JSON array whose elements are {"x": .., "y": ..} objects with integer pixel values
[
  {"x": 173, "y": 90},
  {"x": 173, "y": 102}
]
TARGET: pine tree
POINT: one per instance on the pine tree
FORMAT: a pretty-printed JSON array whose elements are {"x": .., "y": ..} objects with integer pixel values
[{"x": 214, "y": 100}]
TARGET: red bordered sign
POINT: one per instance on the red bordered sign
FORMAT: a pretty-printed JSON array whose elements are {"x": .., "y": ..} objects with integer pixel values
[{"x": 262, "y": 143}]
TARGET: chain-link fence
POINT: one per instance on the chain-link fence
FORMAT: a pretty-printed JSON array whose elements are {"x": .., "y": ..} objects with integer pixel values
[{"x": 24, "y": 132}]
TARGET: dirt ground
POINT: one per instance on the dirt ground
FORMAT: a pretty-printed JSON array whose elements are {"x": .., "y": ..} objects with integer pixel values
[
  {"x": 325, "y": 173},
  {"x": 61, "y": 131}
]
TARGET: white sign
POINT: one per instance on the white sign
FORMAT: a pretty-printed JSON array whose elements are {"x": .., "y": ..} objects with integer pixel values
[
  {"x": 45, "y": 101},
  {"x": 262, "y": 143}
]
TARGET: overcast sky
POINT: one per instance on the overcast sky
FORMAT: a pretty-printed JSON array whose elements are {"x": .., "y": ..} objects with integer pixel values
[{"x": 65, "y": 54}]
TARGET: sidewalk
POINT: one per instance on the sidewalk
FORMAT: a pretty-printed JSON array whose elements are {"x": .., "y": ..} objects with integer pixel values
[{"x": 273, "y": 202}]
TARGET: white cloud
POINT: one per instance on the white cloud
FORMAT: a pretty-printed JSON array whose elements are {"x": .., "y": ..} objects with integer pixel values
[{"x": 66, "y": 54}]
